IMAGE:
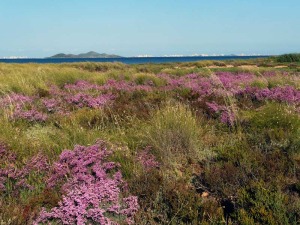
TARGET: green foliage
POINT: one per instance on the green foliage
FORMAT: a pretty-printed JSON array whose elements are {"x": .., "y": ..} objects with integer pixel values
[
  {"x": 264, "y": 206},
  {"x": 174, "y": 131},
  {"x": 288, "y": 58},
  {"x": 150, "y": 79},
  {"x": 274, "y": 126},
  {"x": 259, "y": 84},
  {"x": 165, "y": 201},
  {"x": 100, "y": 67}
]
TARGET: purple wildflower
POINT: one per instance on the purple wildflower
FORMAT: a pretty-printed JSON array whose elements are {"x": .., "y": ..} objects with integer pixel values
[
  {"x": 10, "y": 172},
  {"x": 15, "y": 100},
  {"x": 282, "y": 94},
  {"x": 85, "y": 100},
  {"x": 30, "y": 115},
  {"x": 147, "y": 159},
  {"x": 226, "y": 115},
  {"x": 51, "y": 104},
  {"x": 92, "y": 189},
  {"x": 82, "y": 85}
]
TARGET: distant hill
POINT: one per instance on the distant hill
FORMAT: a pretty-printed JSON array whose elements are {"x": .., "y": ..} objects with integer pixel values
[{"x": 90, "y": 54}]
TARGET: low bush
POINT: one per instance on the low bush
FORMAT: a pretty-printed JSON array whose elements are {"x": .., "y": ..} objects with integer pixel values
[
  {"x": 274, "y": 126},
  {"x": 174, "y": 132},
  {"x": 288, "y": 58}
]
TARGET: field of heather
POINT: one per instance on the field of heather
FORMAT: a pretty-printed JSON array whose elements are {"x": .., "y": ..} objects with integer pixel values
[{"x": 186, "y": 143}]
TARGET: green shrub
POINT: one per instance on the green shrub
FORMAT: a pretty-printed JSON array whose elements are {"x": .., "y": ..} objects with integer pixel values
[
  {"x": 170, "y": 202},
  {"x": 288, "y": 58},
  {"x": 175, "y": 132},
  {"x": 264, "y": 205},
  {"x": 274, "y": 126},
  {"x": 100, "y": 67},
  {"x": 259, "y": 84},
  {"x": 144, "y": 78}
]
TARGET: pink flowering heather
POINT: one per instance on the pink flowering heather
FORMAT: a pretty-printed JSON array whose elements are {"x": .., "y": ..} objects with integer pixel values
[
  {"x": 16, "y": 177},
  {"x": 126, "y": 86},
  {"x": 118, "y": 85},
  {"x": 233, "y": 82},
  {"x": 5, "y": 157},
  {"x": 55, "y": 91},
  {"x": 23, "y": 107},
  {"x": 93, "y": 189},
  {"x": 203, "y": 87},
  {"x": 51, "y": 104},
  {"x": 285, "y": 94},
  {"x": 198, "y": 89},
  {"x": 82, "y": 85},
  {"x": 226, "y": 115},
  {"x": 85, "y": 100},
  {"x": 214, "y": 107},
  {"x": 15, "y": 100},
  {"x": 147, "y": 160},
  {"x": 99, "y": 101},
  {"x": 78, "y": 95},
  {"x": 225, "y": 84},
  {"x": 2, "y": 150},
  {"x": 234, "y": 78},
  {"x": 282, "y": 94},
  {"x": 269, "y": 74},
  {"x": 30, "y": 115}
]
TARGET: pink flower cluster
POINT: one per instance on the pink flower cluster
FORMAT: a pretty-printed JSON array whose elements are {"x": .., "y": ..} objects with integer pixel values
[
  {"x": 147, "y": 159},
  {"x": 15, "y": 100},
  {"x": 61, "y": 101},
  {"x": 84, "y": 100},
  {"x": 31, "y": 115},
  {"x": 223, "y": 85},
  {"x": 78, "y": 95},
  {"x": 81, "y": 85},
  {"x": 51, "y": 104},
  {"x": 220, "y": 85},
  {"x": 225, "y": 113},
  {"x": 94, "y": 189},
  {"x": 23, "y": 107},
  {"x": 234, "y": 82},
  {"x": 197, "y": 88},
  {"x": 282, "y": 94},
  {"x": 17, "y": 178}
]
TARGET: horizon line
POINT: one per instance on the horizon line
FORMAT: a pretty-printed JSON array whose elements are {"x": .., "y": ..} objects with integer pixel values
[{"x": 156, "y": 56}]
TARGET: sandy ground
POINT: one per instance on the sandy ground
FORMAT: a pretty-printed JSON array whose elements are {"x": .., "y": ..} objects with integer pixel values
[
  {"x": 213, "y": 66},
  {"x": 280, "y": 66},
  {"x": 248, "y": 66}
]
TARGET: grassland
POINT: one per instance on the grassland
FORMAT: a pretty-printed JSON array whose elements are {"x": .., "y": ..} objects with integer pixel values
[{"x": 188, "y": 143}]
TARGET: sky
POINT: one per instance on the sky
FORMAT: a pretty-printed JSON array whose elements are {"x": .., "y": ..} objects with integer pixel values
[{"x": 40, "y": 28}]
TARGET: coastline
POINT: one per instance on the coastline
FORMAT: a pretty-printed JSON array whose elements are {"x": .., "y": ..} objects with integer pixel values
[{"x": 130, "y": 60}]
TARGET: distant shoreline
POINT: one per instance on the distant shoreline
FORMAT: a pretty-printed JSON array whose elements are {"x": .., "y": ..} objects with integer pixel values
[{"x": 130, "y": 60}]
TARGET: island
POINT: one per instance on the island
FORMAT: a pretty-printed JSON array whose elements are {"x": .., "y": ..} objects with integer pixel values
[{"x": 90, "y": 54}]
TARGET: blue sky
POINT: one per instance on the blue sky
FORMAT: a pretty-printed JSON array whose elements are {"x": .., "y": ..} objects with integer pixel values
[{"x": 39, "y": 28}]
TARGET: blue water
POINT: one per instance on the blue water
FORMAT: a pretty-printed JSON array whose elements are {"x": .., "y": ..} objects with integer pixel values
[{"x": 129, "y": 60}]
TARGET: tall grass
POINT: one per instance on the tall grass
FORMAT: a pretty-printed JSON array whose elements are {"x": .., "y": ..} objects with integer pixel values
[{"x": 175, "y": 133}]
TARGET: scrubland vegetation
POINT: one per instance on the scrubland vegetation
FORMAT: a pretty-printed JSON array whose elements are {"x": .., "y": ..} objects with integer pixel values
[
  {"x": 191, "y": 143},
  {"x": 289, "y": 58}
]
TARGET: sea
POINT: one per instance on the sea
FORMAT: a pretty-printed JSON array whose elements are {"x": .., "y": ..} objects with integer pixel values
[{"x": 128, "y": 60}]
